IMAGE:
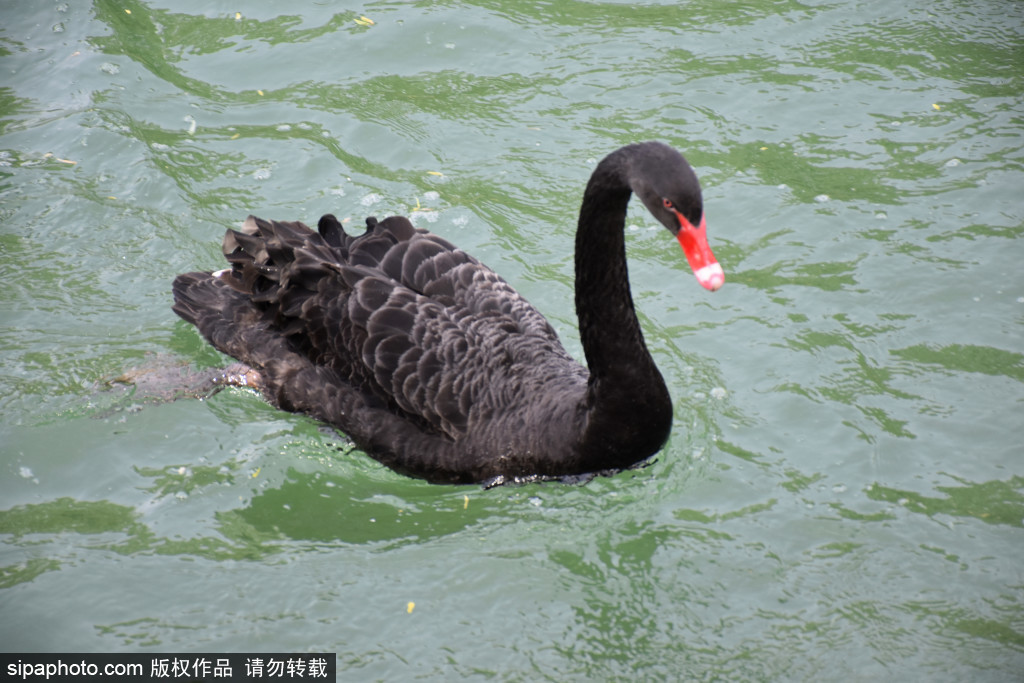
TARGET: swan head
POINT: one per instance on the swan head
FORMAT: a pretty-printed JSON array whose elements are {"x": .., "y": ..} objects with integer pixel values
[{"x": 668, "y": 186}]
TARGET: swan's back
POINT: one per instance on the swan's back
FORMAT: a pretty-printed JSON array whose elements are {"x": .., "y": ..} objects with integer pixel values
[{"x": 423, "y": 355}]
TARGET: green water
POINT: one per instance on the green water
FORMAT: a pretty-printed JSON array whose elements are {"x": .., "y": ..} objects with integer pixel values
[{"x": 842, "y": 497}]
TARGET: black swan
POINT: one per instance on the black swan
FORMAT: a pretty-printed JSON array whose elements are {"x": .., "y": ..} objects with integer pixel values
[{"x": 431, "y": 362}]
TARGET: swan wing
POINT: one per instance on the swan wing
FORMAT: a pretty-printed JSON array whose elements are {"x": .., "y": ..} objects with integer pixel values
[{"x": 403, "y": 317}]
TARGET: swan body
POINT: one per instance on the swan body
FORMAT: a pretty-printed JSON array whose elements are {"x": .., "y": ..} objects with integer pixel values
[{"x": 431, "y": 362}]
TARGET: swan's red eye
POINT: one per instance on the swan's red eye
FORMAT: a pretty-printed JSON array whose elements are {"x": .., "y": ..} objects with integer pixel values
[{"x": 667, "y": 203}]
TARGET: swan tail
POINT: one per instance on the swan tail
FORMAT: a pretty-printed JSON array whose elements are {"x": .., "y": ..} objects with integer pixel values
[{"x": 226, "y": 318}]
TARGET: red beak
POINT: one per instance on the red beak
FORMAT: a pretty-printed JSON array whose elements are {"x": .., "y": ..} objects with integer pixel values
[{"x": 694, "y": 242}]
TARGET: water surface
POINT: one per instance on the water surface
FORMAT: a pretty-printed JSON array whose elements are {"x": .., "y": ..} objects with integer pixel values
[{"x": 843, "y": 493}]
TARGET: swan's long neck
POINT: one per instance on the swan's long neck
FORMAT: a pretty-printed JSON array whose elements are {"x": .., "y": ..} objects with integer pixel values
[
  {"x": 627, "y": 402},
  {"x": 609, "y": 330}
]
